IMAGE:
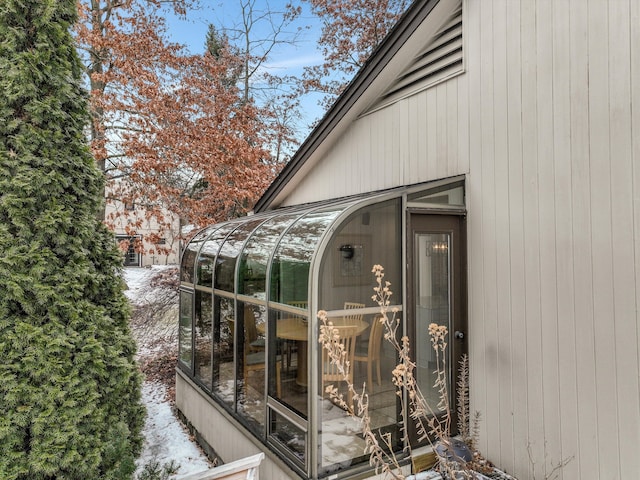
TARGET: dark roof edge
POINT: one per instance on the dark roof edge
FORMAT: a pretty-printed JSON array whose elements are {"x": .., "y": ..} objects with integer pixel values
[{"x": 405, "y": 27}]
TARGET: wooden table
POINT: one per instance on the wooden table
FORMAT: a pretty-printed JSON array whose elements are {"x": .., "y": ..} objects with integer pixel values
[{"x": 295, "y": 329}]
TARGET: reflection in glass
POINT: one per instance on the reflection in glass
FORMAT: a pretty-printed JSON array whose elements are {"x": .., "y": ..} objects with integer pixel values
[
  {"x": 226, "y": 260},
  {"x": 341, "y": 442},
  {"x": 251, "y": 379},
  {"x": 447, "y": 195},
  {"x": 203, "y": 339},
  {"x": 223, "y": 341},
  {"x": 190, "y": 252},
  {"x": 289, "y": 336},
  {"x": 256, "y": 253},
  {"x": 290, "y": 267},
  {"x": 432, "y": 304},
  {"x": 289, "y": 435},
  {"x": 208, "y": 253},
  {"x": 184, "y": 328},
  {"x": 374, "y": 233}
]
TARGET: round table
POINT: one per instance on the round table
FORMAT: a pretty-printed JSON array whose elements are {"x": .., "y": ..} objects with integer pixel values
[{"x": 295, "y": 329}]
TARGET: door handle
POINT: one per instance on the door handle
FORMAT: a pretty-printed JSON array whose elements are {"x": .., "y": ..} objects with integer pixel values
[{"x": 459, "y": 335}]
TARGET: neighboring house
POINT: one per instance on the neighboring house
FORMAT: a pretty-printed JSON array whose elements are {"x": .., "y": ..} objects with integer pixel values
[
  {"x": 144, "y": 241},
  {"x": 486, "y": 157}
]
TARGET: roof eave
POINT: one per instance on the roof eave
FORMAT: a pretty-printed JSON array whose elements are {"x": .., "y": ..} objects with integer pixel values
[{"x": 405, "y": 27}]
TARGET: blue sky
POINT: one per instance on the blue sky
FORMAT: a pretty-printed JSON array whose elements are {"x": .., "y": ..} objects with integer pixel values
[
  {"x": 284, "y": 60},
  {"x": 193, "y": 29}
]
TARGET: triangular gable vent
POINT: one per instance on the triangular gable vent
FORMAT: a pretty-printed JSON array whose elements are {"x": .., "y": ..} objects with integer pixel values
[{"x": 441, "y": 59}]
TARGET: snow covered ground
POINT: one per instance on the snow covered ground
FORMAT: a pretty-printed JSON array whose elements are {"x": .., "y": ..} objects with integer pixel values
[{"x": 165, "y": 438}]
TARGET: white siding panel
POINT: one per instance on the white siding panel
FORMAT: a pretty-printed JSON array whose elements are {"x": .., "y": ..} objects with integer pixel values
[
  {"x": 624, "y": 286},
  {"x": 533, "y": 382},
  {"x": 364, "y": 153},
  {"x": 405, "y": 147},
  {"x": 443, "y": 114},
  {"x": 567, "y": 395},
  {"x": 414, "y": 138},
  {"x": 431, "y": 133},
  {"x": 503, "y": 249},
  {"x": 602, "y": 260},
  {"x": 345, "y": 164},
  {"x": 397, "y": 155},
  {"x": 378, "y": 152},
  {"x": 359, "y": 173},
  {"x": 515, "y": 229},
  {"x": 412, "y": 141},
  {"x": 463, "y": 126},
  {"x": 631, "y": 460},
  {"x": 587, "y": 457},
  {"x": 474, "y": 221},
  {"x": 381, "y": 140},
  {"x": 488, "y": 228},
  {"x": 385, "y": 160},
  {"x": 547, "y": 231},
  {"x": 452, "y": 163}
]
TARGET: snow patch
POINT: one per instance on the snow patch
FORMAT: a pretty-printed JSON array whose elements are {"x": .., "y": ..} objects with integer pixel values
[{"x": 166, "y": 439}]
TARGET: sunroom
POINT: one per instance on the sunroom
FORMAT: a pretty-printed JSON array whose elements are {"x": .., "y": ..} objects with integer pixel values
[{"x": 248, "y": 330}]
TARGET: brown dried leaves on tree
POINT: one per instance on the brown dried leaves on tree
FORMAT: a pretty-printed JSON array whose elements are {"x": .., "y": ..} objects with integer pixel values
[
  {"x": 351, "y": 30},
  {"x": 169, "y": 131}
]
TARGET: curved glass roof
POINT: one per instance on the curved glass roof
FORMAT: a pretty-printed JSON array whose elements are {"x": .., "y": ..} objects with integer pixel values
[
  {"x": 257, "y": 253},
  {"x": 284, "y": 242},
  {"x": 239, "y": 256}
]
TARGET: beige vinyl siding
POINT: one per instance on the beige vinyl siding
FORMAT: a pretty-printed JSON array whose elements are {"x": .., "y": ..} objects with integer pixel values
[
  {"x": 600, "y": 318},
  {"x": 408, "y": 142},
  {"x": 624, "y": 287},
  {"x": 542, "y": 123},
  {"x": 553, "y": 234},
  {"x": 512, "y": 314},
  {"x": 567, "y": 428}
]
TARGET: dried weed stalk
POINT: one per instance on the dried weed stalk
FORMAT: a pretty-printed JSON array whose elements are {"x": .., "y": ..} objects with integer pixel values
[{"x": 433, "y": 425}]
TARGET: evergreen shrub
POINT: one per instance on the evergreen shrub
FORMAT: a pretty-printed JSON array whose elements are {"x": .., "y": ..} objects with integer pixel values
[{"x": 69, "y": 386}]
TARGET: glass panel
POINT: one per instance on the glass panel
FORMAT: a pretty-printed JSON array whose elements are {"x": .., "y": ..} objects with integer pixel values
[
  {"x": 432, "y": 287},
  {"x": 226, "y": 260},
  {"x": 373, "y": 235},
  {"x": 185, "y": 346},
  {"x": 289, "y": 335},
  {"x": 252, "y": 370},
  {"x": 209, "y": 251},
  {"x": 203, "y": 339},
  {"x": 223, "y": 341},
  {"x": 289, "y": 435},
  {"x": 340, "y": 436},
  {"x": 189, "y": 255},
  {"x": 290, "y": 267},
  {"x": 256, "y": 253},
  {"x": 449, "y": 195},
  {"x": 370, "y": 236}
]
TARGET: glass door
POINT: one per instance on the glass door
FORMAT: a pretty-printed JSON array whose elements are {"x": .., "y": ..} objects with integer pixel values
[{"x": 435, "y": 296}]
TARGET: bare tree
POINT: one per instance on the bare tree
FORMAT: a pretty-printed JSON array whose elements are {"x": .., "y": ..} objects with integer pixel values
[{"x": 255, "y": 35}]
